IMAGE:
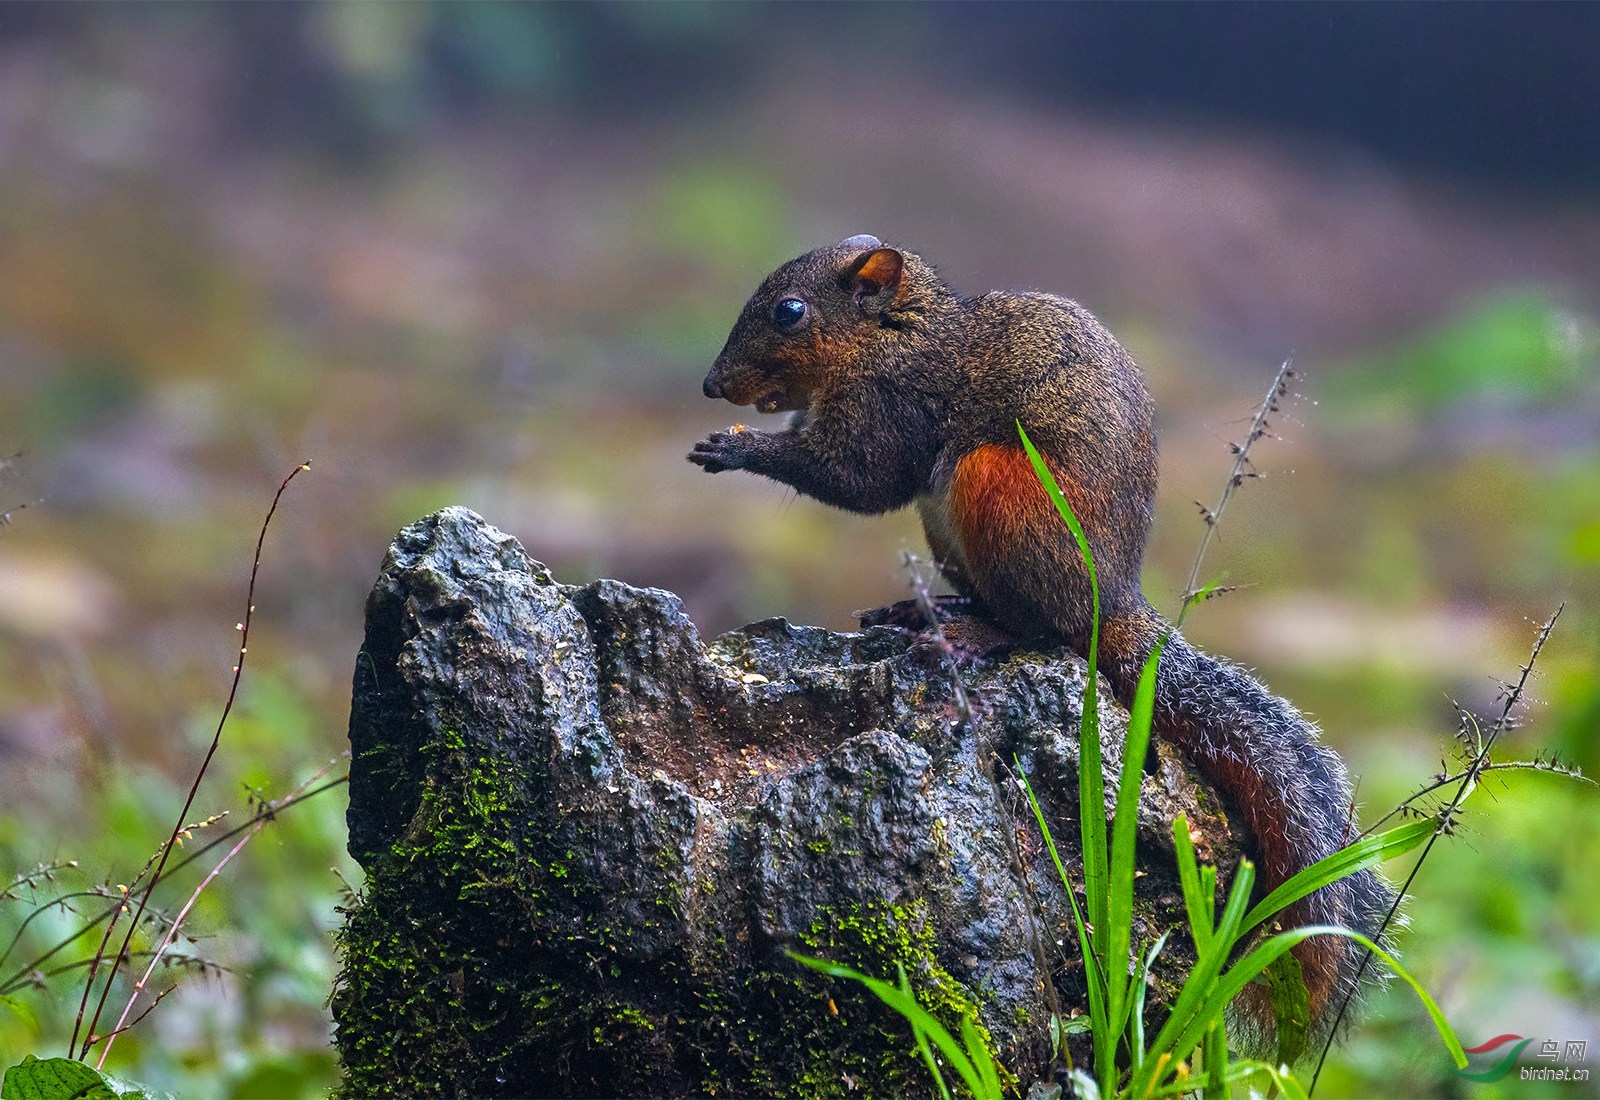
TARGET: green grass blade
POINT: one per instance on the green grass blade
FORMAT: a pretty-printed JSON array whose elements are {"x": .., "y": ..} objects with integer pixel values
[
  {"x": 1091, "y": 779},
  {"x": 1099, "y": 1015},
  {"x": 1049, "y": 840},
  {"x": 1124, "y": 832},
  {"x": 982, "y": 1058},
  {"x": 1048, "y": 480},
  {"x": 1197, "y": 903},
  {"x": 1215, "y": 1047},
  {"x": 1291, "y": 1006},
  {"x": 923, "y": 1048},
  {"x": 1240, "y": 1073},
  {"x": 1288, "y": 1084},
  {"x": 1195, "y": 599},
  {"x": 1246, "y": 969},
  {"x": 1197, "y": 988},
  {"x": 905, "y": 1003},
  {"x": 1346, "y": 861},
  {"x": 1136, "y": 1021}
]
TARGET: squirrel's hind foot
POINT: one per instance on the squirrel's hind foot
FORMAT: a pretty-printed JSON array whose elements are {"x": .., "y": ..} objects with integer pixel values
[
  {"x": 912, "y": 615},
  {"x": 962, "y": 634}
]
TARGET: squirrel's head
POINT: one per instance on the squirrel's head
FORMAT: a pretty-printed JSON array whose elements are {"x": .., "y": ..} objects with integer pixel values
[{"x": 818, "y": 314}]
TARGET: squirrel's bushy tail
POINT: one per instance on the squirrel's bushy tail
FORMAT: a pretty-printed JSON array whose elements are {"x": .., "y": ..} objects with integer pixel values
[{"x": 1291, "y": 791}]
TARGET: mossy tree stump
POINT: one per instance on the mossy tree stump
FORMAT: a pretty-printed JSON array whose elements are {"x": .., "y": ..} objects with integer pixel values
[{"x": 589, "y": 840}]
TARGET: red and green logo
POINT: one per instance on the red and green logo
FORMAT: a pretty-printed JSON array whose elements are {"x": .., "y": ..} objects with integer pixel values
[{"x": 1504, "y": 1065}]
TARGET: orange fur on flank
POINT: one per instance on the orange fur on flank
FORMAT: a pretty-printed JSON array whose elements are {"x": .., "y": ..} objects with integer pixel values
[{"x": 995, "y": 497}]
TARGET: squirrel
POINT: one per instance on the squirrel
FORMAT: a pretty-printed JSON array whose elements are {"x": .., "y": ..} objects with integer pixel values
[{"x": 905, "y": 393}]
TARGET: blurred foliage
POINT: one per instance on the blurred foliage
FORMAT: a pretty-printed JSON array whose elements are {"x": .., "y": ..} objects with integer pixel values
[
  {"x": 1497, "y": 913},
  {"x": 260, "y": 1028},
  {"x": 344, "y": 77},
  {"x": 1517, "y": 348}
]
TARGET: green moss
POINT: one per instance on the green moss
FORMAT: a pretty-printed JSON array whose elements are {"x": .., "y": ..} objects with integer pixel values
[
  {"x": 412, "y": 998},
  {"x": 485, "y": 957},
  {"x": 880, "y": 940},
  {"x": 415, "y": 1001}
]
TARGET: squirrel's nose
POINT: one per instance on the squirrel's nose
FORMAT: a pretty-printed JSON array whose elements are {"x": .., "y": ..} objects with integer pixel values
[{"x": 711, "y": 387}]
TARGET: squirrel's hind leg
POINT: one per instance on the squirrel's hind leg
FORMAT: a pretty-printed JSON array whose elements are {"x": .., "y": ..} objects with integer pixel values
[
  {"x": 965, "y": 631},
  {"x": 912, "y": 615}
]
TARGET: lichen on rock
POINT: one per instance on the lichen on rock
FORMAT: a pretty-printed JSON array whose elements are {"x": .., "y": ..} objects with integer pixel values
[{"x": 590, "y": 839}]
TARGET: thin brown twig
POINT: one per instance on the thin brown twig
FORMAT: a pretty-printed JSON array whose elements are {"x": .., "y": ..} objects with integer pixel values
[
  {"x": 1259, "y": 424},
  {"x": 924, "y": 598},
  {"x": 121, "y": 1027},
  {"x": 29, "y": 879},
  {"x": 196, "y": 961},
  {"x": 1445, "y": 780},
  {"x": 266, "y": 814},
  {"x": 16, "y": 979},
  {"x": 40, "y": 910},
  {"x": 188, "y": 803},
  {"x": 1446, "y": 818}
]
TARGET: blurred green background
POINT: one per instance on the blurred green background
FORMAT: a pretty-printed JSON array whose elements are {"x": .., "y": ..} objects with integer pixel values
[{"x": 482, "y": 254}]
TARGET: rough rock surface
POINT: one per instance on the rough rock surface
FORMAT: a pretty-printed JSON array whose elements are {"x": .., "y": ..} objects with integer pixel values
[{"x": 590, "y": 838}]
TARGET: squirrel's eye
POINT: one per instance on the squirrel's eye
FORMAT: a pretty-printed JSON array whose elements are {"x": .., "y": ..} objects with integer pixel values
[{"x": 788, "y": 312}]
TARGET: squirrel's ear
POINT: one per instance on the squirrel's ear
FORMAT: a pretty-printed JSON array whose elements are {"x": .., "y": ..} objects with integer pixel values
[
  {"x": 878, "y": 272},
  {"x": 861, "y": 240}
]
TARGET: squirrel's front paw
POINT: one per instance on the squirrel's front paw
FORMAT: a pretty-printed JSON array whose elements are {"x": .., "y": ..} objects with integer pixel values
[{"x": 727, "y": 450}]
